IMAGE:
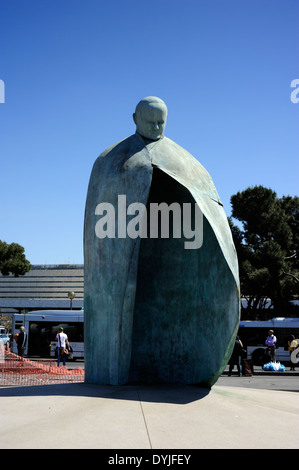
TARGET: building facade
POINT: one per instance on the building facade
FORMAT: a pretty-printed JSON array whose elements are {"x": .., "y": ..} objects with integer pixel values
[{"x": 43, "y": 287}]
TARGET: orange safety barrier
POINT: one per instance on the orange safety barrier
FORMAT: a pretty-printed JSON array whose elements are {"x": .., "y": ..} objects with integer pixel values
[{"x": 16, "y": 370}]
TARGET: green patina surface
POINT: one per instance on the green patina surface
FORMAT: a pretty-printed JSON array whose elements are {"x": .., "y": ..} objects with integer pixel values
[
  {"x": 186, "y": 305},
  {"x": 156, "y": 312}
]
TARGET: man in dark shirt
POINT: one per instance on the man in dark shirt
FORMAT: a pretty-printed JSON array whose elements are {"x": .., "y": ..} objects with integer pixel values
[
  {"x": 236, "y": 357},
  {"x": 22, "y": 339}
]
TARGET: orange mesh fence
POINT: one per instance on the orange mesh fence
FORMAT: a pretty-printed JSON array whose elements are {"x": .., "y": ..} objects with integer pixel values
[{"x": 16, "y": 370}]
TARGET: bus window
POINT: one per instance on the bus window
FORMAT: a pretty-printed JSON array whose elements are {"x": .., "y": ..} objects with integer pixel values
[
  {"x": 254, "y": 333},
  {"x": 42, "y": 327},
  {"x": 43, "y": 333}
]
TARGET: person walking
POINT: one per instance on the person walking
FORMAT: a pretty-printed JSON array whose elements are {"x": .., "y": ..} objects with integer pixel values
[
  {"x": 63, "y": 343},
  {"x": 236, "y": 357},
  {"x": 21, "y": 341},
  {"x": 271, "y": 342}
]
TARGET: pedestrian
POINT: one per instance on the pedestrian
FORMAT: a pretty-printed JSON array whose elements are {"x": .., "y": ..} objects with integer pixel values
[
  {"x": 236, "y": 357},
  {"x": 63, "y": 343},
  {"x": 21, "y": 340},
  {"x": 292, "y": 344},
  {"x": 271, "y": 343},
  {"x": 10, "y": 340}
]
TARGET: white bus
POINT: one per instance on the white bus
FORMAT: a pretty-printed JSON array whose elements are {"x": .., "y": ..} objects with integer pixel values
[
  {"x": 253, "y": 335},
  {"x": 42, "y": 327}
]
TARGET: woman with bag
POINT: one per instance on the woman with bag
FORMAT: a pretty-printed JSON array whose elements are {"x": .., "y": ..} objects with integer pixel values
[{"x": 62, "y": 346}]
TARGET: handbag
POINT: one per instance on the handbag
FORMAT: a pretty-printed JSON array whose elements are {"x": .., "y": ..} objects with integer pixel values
[{"x": 63, "y": 351}]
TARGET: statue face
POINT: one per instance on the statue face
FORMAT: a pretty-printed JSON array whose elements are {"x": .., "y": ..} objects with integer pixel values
[{"x": 150, "y": 120}]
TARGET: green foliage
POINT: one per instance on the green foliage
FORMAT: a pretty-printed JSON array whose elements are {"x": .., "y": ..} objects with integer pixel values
[
  {"x": 13, "y": 259},
  {"x": 267, "y": 246}
]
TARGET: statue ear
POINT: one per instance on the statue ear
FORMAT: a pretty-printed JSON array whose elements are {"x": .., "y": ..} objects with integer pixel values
[{"x": 134, "y": 118}]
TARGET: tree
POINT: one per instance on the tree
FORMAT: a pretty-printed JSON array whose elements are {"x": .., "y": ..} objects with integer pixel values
[
  {"x": 13, "y": 259},
  {"x": 267, "y": 246}
]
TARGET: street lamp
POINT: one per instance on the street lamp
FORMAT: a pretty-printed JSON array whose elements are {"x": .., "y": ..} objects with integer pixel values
[{"x": 71, "y": 296}]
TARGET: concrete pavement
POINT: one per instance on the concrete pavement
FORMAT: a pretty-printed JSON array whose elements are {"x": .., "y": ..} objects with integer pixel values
[{"x": 234, "y": 414}]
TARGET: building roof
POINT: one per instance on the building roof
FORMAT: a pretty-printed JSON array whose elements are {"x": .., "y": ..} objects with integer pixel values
[{"x": 44, "y": 286}]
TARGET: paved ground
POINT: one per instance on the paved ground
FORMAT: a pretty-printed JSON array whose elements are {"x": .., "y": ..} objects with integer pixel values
[
  {"x": 261, "y": 380},
  {"x": 258, "y": 412}
]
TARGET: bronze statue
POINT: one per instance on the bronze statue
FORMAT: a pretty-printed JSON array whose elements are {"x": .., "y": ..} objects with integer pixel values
[{"x": 158, "y": 308}]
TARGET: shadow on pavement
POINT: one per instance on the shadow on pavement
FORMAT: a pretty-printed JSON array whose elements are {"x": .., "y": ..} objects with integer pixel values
[{"x": 180, "y": 394}]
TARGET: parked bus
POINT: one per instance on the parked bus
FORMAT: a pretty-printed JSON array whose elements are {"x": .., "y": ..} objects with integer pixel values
[
  {"x": 42, "y": 327},
  {"x": 253, "y": 335}
]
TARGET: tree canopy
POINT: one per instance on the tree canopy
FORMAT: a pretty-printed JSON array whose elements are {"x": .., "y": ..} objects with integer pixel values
[
  {"x": 13, "y": 259},
  {"x": 267, "y": 246}
]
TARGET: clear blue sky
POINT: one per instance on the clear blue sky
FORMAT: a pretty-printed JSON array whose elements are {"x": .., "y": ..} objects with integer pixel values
[{"x": 75, "y": 69}]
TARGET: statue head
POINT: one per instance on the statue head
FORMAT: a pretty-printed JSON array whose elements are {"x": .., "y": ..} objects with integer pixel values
[{"x": 150, "y": 117}]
